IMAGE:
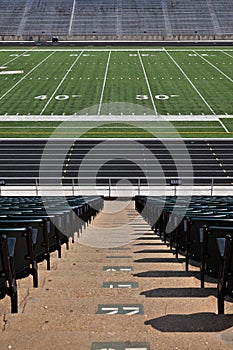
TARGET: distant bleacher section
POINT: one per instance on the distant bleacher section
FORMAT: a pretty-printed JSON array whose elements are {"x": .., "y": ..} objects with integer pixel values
[{"x": 116, "y": 19}]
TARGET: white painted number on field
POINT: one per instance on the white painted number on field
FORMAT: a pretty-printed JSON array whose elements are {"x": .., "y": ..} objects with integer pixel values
[
  {"x": 58, "y": 97},
  {"x": 194, "y": 54},
  {"x": 158, "y": 97},
  {"x": 17, "y": 55},
  {"x": 62, "y": 97},
  {"x": 142, "y": 97},
  {"x": 161, "y": 97},
  {"x": 41, "y": 97}
]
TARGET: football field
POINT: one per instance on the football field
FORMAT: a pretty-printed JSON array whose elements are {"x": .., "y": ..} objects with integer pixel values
[{"x": 116, "y": 92}]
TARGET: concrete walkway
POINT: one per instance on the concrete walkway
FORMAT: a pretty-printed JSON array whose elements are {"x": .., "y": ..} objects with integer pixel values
[{"x": 150, "y": 303}]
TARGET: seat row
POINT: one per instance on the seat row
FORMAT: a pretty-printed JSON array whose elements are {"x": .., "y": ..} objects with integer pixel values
[
  {"x": 201, "y": 229},
  {"x": 32, "y": 228}
]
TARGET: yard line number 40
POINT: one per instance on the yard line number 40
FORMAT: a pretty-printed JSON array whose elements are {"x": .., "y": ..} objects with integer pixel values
[{"x": 58, "y": 97}]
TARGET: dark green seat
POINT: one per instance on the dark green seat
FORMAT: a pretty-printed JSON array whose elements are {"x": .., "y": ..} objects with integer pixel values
[
  {"x": 55, "y": 237},
  {"x": 24, "y": 257},
  {"x": 211, "y": 263},
  {"x": 8, "y": 285},
  {"x": 225, "y": 281},
  {"x": 41, "y": 248},
  {"x": 193, "y": 228}
]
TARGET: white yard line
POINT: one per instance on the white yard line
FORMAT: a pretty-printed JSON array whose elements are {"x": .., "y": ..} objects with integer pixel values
[
  {"x": 15, "y": 58},
  {"x": 225, "y": 53},
  {"x": 191, "y": 83},
  {"x": 224, "y": 126},
  {"x": 18, "y": 82},
  {"x": 104, "y": 83},
  {"x": 212, "y": 65},
  {"x": 71, "y": 17},
  {"x": 61, "y": 82},
  {"x": 148, "y": 84}
]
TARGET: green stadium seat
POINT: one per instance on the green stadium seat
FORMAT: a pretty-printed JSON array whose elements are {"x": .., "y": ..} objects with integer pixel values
[
  {"x": 41, "y": 248},
  {"x": 24, "y": 257},
  {"x": 225, "y": 281},
  {"x": 8, "y": 285}
]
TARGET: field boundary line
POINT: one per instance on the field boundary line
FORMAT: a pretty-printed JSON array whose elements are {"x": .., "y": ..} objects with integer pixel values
[
  {"x": 147, "y": 82},
  {"x": 112, "y": 118},
  {"x": 110, "y": 127},
  {"x": 71, "y": 17},
  {"x": 116, "y": 49},
  {"x": 113, "y": 138},
  {"x": 191, "y": 83},
  {"x": 224, "y": 126},
  {"x": 18, "y": 82},
  {"x": 104, "y": 83},
  {"x": 115, "y": 133},
  {"x": 211, "y": 64},
  {"x": 64, "y": 77}
]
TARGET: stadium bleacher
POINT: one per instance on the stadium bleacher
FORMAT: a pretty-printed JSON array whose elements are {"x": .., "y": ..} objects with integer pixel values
[
  {"x": 200, "y": 234},
  {"x": 28, "y": 234},
  {"x": 117, "y": 18},
  {"x": 200, "y": 229}
]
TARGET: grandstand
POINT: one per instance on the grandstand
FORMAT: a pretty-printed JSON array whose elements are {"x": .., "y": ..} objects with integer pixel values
[
  {"x": 116, "y": 191},
  {"x": 116, "y": 19}
]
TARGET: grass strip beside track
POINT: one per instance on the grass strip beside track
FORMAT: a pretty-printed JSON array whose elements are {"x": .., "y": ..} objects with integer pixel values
[{"x": 115, "y": 130}]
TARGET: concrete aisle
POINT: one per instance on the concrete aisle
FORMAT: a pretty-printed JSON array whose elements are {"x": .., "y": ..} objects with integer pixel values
[{"x": 149, "y": 303}]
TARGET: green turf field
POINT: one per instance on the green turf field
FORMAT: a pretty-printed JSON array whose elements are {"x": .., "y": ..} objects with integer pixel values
[{"x": 192, "y": 88}]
